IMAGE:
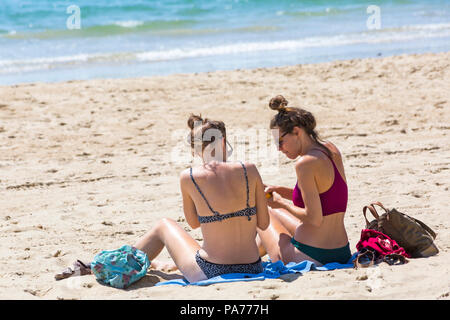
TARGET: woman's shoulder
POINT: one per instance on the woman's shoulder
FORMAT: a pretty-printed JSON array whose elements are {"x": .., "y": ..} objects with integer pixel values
[
  {"x": 195, "y": 171},
  {"x": 228, "y": 166},
  {"x": 185, "y": 175},
  {"x": 250, "y": 167},
  {"x": 315, "y": 158},
  {"x": 332, "y": 147},
  {"x": 247, "y": 164},
  {"x": 238, "y": 167},
  {"x": 306, "y": 162}
]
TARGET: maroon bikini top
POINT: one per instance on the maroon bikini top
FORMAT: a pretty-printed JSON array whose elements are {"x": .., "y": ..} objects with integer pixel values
[{"x": 333, "y": 200}]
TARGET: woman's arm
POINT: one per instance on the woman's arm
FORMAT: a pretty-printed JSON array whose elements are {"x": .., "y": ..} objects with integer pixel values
[
  {"x": 312, "y": 213},
  {"x": 262, "y": 212},
  {"x": 190, "y": 212},
  {"x": 285, "y": 192},
  {"x": 282, "y": 191}
]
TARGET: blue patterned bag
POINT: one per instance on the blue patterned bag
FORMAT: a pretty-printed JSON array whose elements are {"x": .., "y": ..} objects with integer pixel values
[{"x": 120, "y": 268}]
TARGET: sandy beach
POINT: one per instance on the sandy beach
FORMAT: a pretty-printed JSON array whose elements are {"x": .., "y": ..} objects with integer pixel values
[{"x": 88, "y": 165}]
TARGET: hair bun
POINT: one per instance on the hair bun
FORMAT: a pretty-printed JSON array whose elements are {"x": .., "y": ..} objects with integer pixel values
[
  {"x": 192, "y": 119},
  {"x": 278, "y": 103}
]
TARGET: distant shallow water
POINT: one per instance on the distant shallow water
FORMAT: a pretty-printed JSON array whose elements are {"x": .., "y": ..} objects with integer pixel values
[{"x": 134, "y": 38}]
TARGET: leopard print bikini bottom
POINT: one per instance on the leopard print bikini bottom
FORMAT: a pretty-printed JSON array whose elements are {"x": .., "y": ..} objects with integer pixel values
[{"x": 213, "y": 269}]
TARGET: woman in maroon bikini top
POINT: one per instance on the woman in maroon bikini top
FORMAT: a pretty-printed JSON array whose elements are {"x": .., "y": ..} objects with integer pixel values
[
  {"x": 333, "y": 200},
  {"x": 307, "y": 222}
]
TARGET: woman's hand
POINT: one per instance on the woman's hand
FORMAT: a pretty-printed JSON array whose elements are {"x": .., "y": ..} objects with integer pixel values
[
  {"x": 275, "y": 200},
  {"x": 270, "y": 189}
]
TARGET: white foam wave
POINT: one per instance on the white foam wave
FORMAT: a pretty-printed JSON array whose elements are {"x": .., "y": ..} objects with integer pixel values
[
  {"x": 420, "y": 27},
  {"x": 129, "y": 24},
  {"x": 338, "y": 40},
  {"x": 406, "y": 33}
]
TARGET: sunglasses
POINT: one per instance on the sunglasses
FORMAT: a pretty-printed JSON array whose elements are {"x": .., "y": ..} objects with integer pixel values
[{"x": 280, "y": 140}]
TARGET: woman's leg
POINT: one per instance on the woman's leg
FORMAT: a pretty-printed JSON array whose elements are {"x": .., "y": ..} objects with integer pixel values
[
  {"x": 289, "y": 222},
  {"x": 276, "y": 240},
  {"x": 180, "y": 245},
  {"x": 273, "y": 238}
]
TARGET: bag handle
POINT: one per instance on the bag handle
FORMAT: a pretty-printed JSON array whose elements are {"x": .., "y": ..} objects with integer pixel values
[
  {"x": 373, "y": 211},
  {"x": 378, "y": 203}
]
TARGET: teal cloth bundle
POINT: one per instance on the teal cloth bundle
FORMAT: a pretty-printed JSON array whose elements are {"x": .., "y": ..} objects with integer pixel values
[{"x": 121, "y": 267}]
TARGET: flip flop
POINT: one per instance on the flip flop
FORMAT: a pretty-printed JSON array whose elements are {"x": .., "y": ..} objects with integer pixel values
[
  {"x": 364, "y": 259},
  {"x": 79, "y": 269},
  {"x": 82, "y": 267},
  {"x": 66, "y": 273},
  {"x": 395, "y": 259}
]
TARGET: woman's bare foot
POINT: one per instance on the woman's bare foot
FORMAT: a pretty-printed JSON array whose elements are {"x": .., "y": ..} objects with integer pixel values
[{"x": 165, "y": 266}]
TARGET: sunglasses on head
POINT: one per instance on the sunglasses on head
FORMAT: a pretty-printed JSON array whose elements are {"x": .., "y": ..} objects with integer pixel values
[{"x": 199, "y": 140}]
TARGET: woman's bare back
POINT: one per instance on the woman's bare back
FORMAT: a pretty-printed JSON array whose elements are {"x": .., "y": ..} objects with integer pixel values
[{"x": 224, "y": 186}]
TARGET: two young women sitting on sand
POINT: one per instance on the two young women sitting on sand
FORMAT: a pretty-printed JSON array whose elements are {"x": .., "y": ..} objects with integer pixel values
[{"x": 238, "y": 224}]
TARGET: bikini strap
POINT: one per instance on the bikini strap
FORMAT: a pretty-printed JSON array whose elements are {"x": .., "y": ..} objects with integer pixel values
[
  {"x": 246, "y": 183},
  {"x": 248, "y": 212},
  {"x": 201, "y": 193},
  {"x": 323, "y": 152},
  {"x": 336, "y": 171},
  {"x": 329, "y": 157}
]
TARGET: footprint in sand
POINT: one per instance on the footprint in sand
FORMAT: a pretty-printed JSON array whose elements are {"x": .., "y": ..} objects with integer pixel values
[{"x": 271, "y": 286}]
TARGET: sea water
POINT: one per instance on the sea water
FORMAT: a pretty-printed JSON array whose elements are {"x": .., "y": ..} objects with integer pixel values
[{"x": 47, "y": 41}]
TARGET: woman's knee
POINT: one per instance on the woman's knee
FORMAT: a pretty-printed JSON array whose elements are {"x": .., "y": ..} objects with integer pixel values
[
  {"x": 164, "y": 225},
  {"x": 274, "y": 216},
  {"x": 286, "y": 219}
]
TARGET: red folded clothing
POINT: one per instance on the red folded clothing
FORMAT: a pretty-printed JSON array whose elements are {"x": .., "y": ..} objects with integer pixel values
[{"x": 379, "y": 242}]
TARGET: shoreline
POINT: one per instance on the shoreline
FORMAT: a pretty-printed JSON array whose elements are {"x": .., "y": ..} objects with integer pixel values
[
  {"x": 84, "y": 168},
  {"x": 377, "y": 56}
]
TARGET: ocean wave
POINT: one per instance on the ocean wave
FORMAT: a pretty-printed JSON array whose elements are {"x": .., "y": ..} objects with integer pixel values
[
  {"x": 210, "y": 31},
  {"x": 129, "y": 23},
  {"x": 327, "y": 11},
  {"x": 406, "y": 33},
  {"x": 161, "y": 28},
  {"x": 114, "y": 28},
  {"x": 433, "y": 26},
  {"x": 369, "y": 37},
  {"x": 194, "y": 11},
  {"x": 46, "y": 63}
]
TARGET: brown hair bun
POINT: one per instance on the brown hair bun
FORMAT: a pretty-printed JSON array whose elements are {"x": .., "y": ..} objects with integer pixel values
[
  {"x": 199, "y": 130},
  {"x": 192, "y": 119},
  {"x": 279, "y": 103}
]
